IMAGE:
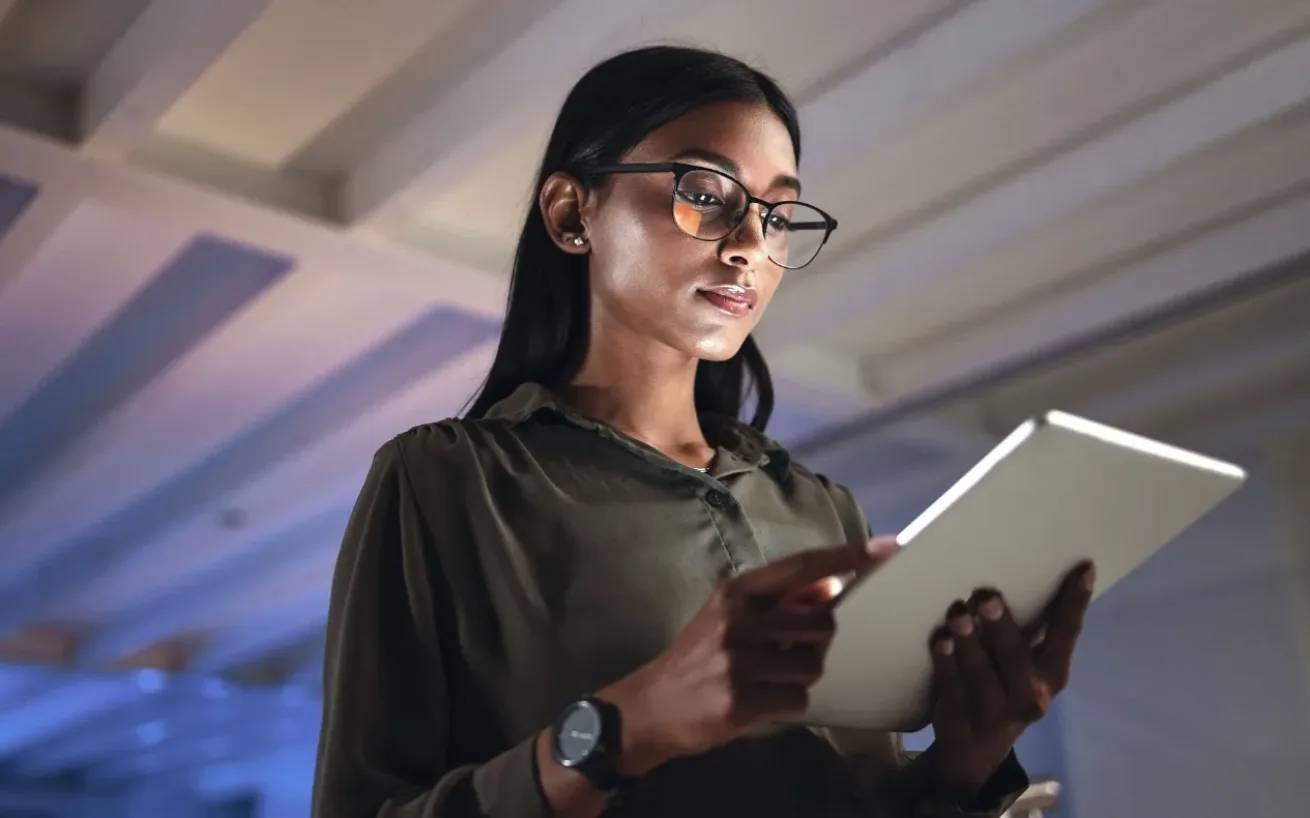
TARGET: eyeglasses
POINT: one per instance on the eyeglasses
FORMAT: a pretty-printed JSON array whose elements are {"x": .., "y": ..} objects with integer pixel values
[{"x": 709, "y": 204}]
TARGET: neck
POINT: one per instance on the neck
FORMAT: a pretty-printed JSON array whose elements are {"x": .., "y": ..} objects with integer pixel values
[{"x": 645, "y": 390}]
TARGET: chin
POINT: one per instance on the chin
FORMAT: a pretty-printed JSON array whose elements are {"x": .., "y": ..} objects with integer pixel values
[{"x": 717, "y": 348}]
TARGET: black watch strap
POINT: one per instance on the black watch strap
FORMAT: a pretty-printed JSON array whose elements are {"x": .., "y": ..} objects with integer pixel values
[
  {"x": 601, "y": 772},
  {"x": 599, "y": 768}
]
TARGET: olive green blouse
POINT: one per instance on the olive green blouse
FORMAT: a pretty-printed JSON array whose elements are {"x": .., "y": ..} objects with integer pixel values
[{"x": 495, "y": 570}]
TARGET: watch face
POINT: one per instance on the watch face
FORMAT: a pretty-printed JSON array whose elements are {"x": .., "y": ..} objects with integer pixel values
[{"x": 578, "y": 733}]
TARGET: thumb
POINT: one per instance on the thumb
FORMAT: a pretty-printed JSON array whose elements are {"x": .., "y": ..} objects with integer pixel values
[
  {"x": 879, "y": 550},
  {"x": 883, "y": 547}
]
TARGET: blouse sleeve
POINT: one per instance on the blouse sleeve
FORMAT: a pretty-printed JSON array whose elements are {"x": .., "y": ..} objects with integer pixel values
[
  {"x": 892, "y": 778},
  {"x": 383, "y": 749}
]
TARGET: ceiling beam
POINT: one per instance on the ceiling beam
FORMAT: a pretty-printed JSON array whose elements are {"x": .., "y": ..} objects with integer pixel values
[
  {"x": 295, "y": 494},
  {"x": 471, "y": 121},
  {"x": 1216, "y": 259},
  {"x": 219, "y": 591},
  {"x": 1264, "y": 165},
  {"x": 937, "y": 252},
  {"x": 294, "y": 191},
  {"x": 293, "y": 489},
  {"x": 109, "y": 340},
  {"x": 306, "y": 550},
  {"x": 90, "y": 403},
  {"x": 295, "y": 387},
  {"x": 48, "y": 204},
  {"x": 1231, "y": 371},
  {"x": 27, "y": 239},
  {"x": 974, "y": 39},
  {"x": 1263, "y": 428},
  {"x": 166, "y": 50},
  {"x": 834, "y": 387},
  {"x": 322, "y": 248},
  {"x": 1244, "y": 258}
]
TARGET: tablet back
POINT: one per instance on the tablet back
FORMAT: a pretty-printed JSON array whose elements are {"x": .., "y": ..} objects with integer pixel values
[{"x": 1057, "y": 491}]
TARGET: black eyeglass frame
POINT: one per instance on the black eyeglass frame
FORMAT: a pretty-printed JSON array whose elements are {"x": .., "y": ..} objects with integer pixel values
[{"x": 681, "y": 169}]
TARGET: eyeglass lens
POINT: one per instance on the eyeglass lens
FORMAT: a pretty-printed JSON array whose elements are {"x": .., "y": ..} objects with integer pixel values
[{"x": 709, "y": 206}]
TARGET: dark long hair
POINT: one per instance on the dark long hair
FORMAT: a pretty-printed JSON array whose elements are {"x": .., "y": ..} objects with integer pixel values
[{"x": 612, "y": 108}]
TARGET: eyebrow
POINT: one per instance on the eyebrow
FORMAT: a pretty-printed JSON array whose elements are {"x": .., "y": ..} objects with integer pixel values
[{"x": 725, "y": 164}]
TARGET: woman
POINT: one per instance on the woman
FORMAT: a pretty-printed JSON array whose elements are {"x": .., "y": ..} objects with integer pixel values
[{"x": 600, "y": 586}]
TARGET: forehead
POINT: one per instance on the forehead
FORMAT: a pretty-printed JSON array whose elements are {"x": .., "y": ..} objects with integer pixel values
[{"x": 751, "y": 135}]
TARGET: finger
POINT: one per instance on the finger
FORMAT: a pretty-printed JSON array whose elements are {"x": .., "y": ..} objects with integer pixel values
[
  {"x": 1064, "y": 625},
  {"x": 791, "y": 573},
  {"x": 773, "y": 665},
  {"x": 982, "y": 686},
  {"x": 830, "y": 589},
  {"x": 794, "y": 627},
  {"x": 1010, "y": 654},
  {"x": 950, "y": 699},
  {"x": 818, "y": 594}
]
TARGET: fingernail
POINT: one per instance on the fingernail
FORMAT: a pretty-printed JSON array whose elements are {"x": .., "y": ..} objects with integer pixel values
[
  {"x": 991, "y": 608},
  {"x": 1089, "y": 578},
  {"x": 830, "y": 588},
  {"x": 945, "y": 646},
  {"x": 961, "y": 625},
  {"x": 881, "y": 546}
]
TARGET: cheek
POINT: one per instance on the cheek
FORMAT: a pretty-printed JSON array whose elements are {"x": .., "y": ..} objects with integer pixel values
[
  {"x": 767, "y": 282},
  {"x": 641, "y": 250}
]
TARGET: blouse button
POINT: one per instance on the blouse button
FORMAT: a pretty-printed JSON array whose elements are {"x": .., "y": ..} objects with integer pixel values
[{"x": 716, "y": 499}]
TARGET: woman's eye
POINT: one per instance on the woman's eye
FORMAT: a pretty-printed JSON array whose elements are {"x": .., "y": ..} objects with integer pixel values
[
  {"x": 778, "y": 222},
  {"x": 699, "y": 199}
]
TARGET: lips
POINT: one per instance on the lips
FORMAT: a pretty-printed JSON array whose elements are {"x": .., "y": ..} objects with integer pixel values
[{"x": 732, "y": 299}]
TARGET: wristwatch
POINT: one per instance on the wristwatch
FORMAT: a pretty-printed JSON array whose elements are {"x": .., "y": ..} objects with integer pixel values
[{"x": 586, "y": 738}]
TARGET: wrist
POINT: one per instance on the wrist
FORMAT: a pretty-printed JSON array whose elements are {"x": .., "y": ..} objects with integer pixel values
[
  {"x": 641, "y": 749},
  {"x": 947, "y": 782}
]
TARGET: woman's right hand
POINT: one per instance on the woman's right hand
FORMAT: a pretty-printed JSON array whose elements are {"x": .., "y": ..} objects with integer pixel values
[{"x": 747, "y": 658}]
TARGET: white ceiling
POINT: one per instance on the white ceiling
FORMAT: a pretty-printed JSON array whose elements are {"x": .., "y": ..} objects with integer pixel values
[{"x": 241, "y": 244}]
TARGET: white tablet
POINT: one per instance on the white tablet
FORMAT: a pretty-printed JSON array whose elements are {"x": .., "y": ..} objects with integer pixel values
[{"x": 1057, "y": 491}]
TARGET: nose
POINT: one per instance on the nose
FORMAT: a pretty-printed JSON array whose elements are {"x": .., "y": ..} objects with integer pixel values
[{"x": 744, "y": 246}]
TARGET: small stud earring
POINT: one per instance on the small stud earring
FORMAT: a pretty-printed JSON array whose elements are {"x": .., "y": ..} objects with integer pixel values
[{"x": 579, "y": 241}]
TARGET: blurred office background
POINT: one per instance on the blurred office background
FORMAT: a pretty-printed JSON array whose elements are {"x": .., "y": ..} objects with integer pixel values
[{"x": 242, "y": 243}]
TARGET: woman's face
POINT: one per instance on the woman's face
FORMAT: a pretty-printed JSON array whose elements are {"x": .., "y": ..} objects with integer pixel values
[{"x": 650, "y": 278}]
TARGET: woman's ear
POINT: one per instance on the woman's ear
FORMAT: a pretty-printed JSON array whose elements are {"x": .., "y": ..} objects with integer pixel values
[{"x": 563, "y": 200}]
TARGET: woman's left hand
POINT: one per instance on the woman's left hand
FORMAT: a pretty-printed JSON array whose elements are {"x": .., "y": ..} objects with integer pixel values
[{"x": 993, "y": 680}]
